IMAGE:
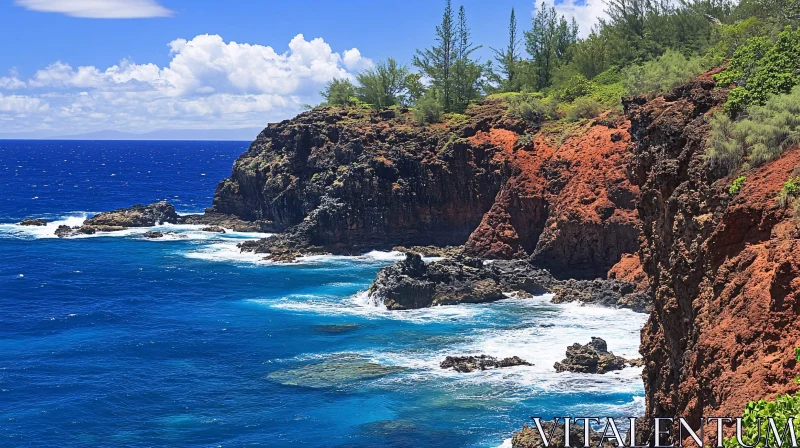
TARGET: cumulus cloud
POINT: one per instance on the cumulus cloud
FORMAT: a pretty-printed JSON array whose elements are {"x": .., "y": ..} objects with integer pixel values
[
  {"x": 22, "y": 105},
  {"x": 99, "y": 9},
  {"x": 587, "y": 13},
  {"x": 208, "y": 83}
]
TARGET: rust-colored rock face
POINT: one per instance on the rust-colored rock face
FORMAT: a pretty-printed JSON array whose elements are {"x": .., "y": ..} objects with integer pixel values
[
  {"x": 349, "y": 181},
  {"x": 570, "y": 205},
  {"x": 725, "y": 271},
  {"x": 629, "y": 269}
]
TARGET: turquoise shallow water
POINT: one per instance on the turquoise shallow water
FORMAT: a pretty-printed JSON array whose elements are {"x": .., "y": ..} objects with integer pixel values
[{"x": 114, "y": 340}]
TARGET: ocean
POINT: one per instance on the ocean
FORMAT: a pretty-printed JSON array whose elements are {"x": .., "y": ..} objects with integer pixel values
[{"x": 115, "y": 340}]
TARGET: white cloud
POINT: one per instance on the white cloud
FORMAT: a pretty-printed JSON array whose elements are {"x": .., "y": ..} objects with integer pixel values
[
  {"x": 354, "y": 61},
  {"x": 209, "y": 83},
  {"x": 586, "y": 12},
  {"x": 22, "y": 105},
  {"x": 99, "y": 9}
]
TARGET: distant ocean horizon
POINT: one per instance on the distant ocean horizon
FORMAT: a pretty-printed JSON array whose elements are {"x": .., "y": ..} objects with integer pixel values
[{"x": 116, "y": 340}]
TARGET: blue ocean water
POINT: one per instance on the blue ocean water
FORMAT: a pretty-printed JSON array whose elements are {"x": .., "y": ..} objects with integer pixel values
[{"x": 115, "y": 340}]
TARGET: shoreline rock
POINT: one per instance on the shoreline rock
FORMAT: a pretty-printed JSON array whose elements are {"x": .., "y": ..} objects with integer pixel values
[
  {"x": 33, "y": 222},
  {"x": 466, "y": 364},
  {"x": 213, "y": 229},
  {"x": 593, "y": 357},
  {"x": 412, "y": 283}
]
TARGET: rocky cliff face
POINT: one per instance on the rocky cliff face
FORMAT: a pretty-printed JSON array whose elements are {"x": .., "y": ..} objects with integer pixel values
[
  {"x": 725, "y": 271},
  {"x": 569, "y": 204},
  {"x": 351, "y": 180},
  {"x": 348, "y": 181}
]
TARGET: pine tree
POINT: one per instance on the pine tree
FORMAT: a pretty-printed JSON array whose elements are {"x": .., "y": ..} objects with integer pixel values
[
  {"x": 466, "y": 72},
  {"x": 549, "y": 42},
  {"x": 508, "y": 59},
  {"x": 437, "y": 62}
]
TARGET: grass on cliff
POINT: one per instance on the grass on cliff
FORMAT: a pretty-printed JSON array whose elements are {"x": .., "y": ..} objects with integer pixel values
[{"x": 761, "y": 136}]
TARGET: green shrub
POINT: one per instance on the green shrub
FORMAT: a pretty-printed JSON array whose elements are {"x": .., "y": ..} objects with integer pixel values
[
  {"x": 340, "y": 92},
  {"x": 575, "y": 87},
  {"x": 761, "y": 136},
  {"x": 737, "y": 185},
  {"x": 761, "y": 68},
  {"x": 532, "y": 108},
  {"x": 584, "y": 107},
  {"x": 781, "y": 409},
  {"x": 610, "y": 95},
  {"x": 428, "y": 109},
  {"x": 758, "y": 432},
  {"x": 789, "y": 191},
  {"x": 610, "y": 76},
  {"x": 661, "y": 74},
  {"x": 525, "y": 140}
]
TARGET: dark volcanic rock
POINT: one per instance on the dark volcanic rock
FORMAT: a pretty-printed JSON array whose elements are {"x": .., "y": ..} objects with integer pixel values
[
  {"x": 529, "y": 437},
  {"x": 228, "y": 222},
  {"x": 465, "y": 364},
  {"x": 33, "y": 222},
  {"x": 153, "y": 234},
  {"x": 351, "y": 180},
  {"x": 136, "y": 216},
  {"x": 213, "y": 229},
  {"x": 593, "y": 357},
  {"x": 64, "y": 231},
  {"x": 724, "y": 270},
  {"x": 412, "y": 283},
  {"x": 432, "y": 251},
  {"x": 613, "y": 293}
]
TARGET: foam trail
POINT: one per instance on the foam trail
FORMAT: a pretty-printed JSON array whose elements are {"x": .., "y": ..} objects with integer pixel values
[{"x": 14, "y": 230}]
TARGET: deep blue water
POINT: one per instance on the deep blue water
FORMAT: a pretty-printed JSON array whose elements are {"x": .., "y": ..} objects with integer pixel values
[{"x": 114, "y": 340}]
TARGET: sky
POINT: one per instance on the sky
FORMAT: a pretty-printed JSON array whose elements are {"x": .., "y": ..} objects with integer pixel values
[{"x": 168, "y": 67}]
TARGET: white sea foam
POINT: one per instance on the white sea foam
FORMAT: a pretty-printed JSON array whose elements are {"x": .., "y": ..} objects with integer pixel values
[
  {"x": 534, "y": 329},
  {"x": 225, "y": 251},
  {"x": 177, "y": 231},
  {"x": 14, "y": 230}
]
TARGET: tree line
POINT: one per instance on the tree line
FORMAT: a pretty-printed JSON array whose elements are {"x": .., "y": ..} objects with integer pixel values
[{"x": 643, "y": 46}]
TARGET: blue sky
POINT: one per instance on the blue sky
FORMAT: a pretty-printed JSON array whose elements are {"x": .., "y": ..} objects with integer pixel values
[{"x": 71, "y": 66}]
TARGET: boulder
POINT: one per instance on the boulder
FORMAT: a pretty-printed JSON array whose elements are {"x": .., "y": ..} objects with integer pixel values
[
  {"x": 593, "y": 357},
  {"x": 33, "y": 222},
  {"x": 64, "y": 231},
  {"x": 465, "y": 364},
  {"x": 136, "y": 216},
  {"x": 412, "y": 283},
  {"x": 213, "y": 229}
]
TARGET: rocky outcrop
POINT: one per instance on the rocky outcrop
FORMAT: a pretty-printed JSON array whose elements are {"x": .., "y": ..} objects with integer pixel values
[
  {"x": 412, "y": 283},
  {"x": 466, "y": 364},
  {"x": 593, "y": 357},
  {"x": 568, "y": 204},
  {"x": 347, "y": 181},
  {"x": 610, "y": 292},
  {"x": 629, "y": 269},
  {"x": 228, "y": 222},
  {"x": 213, "y": 229},
  {"x": 724, "y": 270},
  {"x": 432, "y": 251},
  {"x": 529, "y": 437},
  {"x": 353, "y": 180},
  {"x": 136, "y": 216},
  {"x": 33, "y": 222},
  {"x": 121, "y": 219}
]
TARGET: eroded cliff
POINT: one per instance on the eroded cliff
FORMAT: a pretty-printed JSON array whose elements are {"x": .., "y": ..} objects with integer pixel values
[
  {"x": 352, "y": 180},
  {"x": 724, "y": 270}
]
